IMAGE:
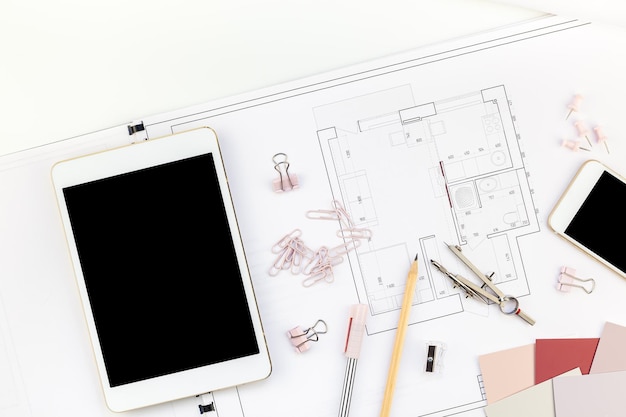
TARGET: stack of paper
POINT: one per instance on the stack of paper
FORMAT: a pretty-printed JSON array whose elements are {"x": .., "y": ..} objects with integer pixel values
[
  {"x": 609, "y": 11},
  {"x": 578, "y": 377}
]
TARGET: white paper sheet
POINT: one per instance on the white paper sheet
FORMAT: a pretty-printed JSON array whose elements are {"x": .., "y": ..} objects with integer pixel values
[
  {"x": 399, "y": 125},
  {"x": 602, "y": 11}
]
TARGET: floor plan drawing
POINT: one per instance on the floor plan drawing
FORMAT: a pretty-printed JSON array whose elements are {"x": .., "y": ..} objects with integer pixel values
[
  {"x": 452, "y": 144},
  {"x": 423, "y": 174}
]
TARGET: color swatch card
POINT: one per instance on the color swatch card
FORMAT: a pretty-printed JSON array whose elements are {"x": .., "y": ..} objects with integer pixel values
[
  {"x": 536, "y": 401},
  {"x": 508, "y": 371},
  {"x": 555, "y": 356},
  {"x": 609, "y": 355},
  {"x": 590, "y": 395}
]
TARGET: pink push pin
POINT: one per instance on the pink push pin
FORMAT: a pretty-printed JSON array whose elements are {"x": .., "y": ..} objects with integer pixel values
[
  {"x": 567, "y": 278},
  {"x": 301, "y": 339},
  {"x": 573, "y": 145},
  {"x": 601, "y": 137},
  {"x": 574, "y": 105},
  {"x": 582, "y": 131}
]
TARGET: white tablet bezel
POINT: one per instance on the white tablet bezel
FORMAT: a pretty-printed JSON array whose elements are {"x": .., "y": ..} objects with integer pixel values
[
  {"x": 571, "y": 201},
  {"x": 135, "y": 157}
]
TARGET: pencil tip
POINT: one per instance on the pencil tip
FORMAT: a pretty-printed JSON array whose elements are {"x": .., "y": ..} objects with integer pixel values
[{"x": 415, "y": 257}]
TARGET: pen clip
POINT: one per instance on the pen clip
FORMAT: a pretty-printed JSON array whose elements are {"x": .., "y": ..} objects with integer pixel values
[{"x": 356, "y": 330}]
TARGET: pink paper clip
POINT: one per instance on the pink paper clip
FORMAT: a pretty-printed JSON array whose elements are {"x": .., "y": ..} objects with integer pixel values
[
  {"x": 320, "y": 267},
  {"x": 343, "y": 215},
  {"x": 321, "y": 273},
  {"x": 285, "y": 180},
  {"x": 292, "y": 252},
  {"x": 573, "y": 145},
  {"x": 347, "y": 227},
  {"x": 285, "y": 240},
  {"x": 301, "y": 339},
  {"x": 574, "y": 106},
  {"x": 349, "y": 244},
  {"x": 567, "y": 278}
]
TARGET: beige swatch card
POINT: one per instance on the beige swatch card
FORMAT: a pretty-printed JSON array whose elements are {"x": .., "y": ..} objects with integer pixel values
[
  {"x": 507, "y": 371},
  {"x": 536, "y": 401},
  {"x": 610, "y": 355}
]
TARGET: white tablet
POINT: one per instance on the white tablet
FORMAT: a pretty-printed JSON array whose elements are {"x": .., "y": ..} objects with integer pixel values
[{"x": 161, "y": 270}]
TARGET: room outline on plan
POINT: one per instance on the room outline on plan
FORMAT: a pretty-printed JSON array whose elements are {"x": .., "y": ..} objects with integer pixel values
[{"x": 423, "y": 174}]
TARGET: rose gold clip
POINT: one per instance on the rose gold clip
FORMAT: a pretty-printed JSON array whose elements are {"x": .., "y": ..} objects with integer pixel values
[
  {"x": 301, "y": 339},
  {"x": 285, "y": 180},
  {"x": 567, "y": 278}
]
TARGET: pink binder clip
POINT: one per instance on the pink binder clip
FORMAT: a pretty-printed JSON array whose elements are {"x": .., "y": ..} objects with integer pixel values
[
  {"x": 301, "y": 339},
  {"x": 285, "y": 180},
  {"x": 567, "y": 278},
  {"x": 573, "y": 145},
  {"x": 574, "y": 105}
]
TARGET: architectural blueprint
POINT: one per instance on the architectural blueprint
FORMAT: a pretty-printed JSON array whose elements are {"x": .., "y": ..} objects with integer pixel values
[
  {"x": 419, "y": 165},
  {"x": 453, "y": 144},
  {"x": 455, "y": 171},
  {"x": 421, "y": 173}
]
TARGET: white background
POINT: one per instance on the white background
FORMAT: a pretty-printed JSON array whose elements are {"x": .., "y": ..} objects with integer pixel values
[{"x": 72, "y": 67}]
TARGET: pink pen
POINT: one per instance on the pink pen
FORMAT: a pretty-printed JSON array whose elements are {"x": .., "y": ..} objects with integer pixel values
[{"x": 352, "y": 349}]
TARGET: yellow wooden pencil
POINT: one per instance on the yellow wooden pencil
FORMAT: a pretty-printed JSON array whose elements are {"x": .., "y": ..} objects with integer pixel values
[{"x": 399, "y": 343}]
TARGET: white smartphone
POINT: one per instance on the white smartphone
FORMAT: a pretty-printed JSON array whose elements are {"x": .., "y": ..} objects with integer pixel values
[
  {"x": 161, "y": 270},
  {"x": 590, "y": 214}
]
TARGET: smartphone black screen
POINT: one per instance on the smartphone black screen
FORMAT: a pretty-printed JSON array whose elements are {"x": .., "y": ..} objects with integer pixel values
[{"x": 601, "y": 220}]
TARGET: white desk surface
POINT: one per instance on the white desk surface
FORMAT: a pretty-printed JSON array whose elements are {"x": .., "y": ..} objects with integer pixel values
[{"x": 71, "y": 68}]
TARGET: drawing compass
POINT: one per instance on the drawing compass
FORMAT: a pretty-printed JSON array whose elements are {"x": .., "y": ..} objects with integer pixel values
[{"x": 507, "y": 303}]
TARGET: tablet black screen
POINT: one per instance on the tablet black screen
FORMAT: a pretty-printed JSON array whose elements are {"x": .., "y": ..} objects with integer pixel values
[{"x": 161, "y": 271}]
